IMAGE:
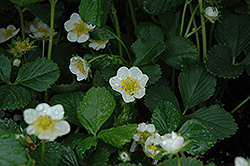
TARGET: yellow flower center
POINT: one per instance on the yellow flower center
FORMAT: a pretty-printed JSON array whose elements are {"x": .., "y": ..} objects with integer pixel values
[
  {"x": 8, "y": 33},
  {"x": 23, "y": 46},
  {"x": 130, "y": 85},
  {"x": 144, "y": 135},
  {"x": 13, "y": 51},
  {"x": 44, "y": 123},
  {"x": 80, "y": 66},
  {"x": 43, "y": 30},
  {"x": 80, "y": 28},
  {"x": 100, "y": 42},
  {"x": 152, "y": 147}
]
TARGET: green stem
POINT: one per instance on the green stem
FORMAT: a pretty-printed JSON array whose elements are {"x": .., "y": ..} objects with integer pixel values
[
  {"x": 211, "y": 34},
  {"x": 100, "y": 56},
  {"x": 117, "y": 27},
  {"x": 77, "y": 129},
  {"x": 196, "y": 33},
  {"x": 43, "y": 152},
  {"x": 190, "y": 21},
  {"x": 203, "y": 27},
  {"x": 185, "y": 111},
  {"x": 178, "y": 159},
  {"x": 21, "y": 18},
  {"x": 52, "y": 17},
  {"x": 243, "y": 102},
  {"x": 43, "y": 47},
  {"x": 132, "y": 12},
  {"x": 183, "y": 17}
]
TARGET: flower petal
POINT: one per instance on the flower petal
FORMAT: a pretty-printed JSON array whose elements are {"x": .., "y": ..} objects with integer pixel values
[
  {"x": 135, "y": 72},
  {"x": 42, "y": 108},
  {"x": 80, "y": 76},
  {"x": 69, "y": 25},
  {"x": 56, "y": 112},
  {"x": 30, "y": 130},
  {"x": 30, "y": 115},
  {"x": 72, "y": 37},
  {"x": 75, "y": 17},
  {"x": 82, "y": 38},
  {"x": 140, "y": 93},
  {"x": 123, "y": 72},
  {"x": 143, "y": 81},
  {"x": 240, "y": 161},
  {"x": 127, "y": 98},
  {"x": 61, "y": 128},
  {"x": 47, "y": 135},
  {"x": 11, "y": 27}
]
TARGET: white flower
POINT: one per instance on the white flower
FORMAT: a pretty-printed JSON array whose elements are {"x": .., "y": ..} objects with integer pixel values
[
  {"x": 46, "y": 122},
  {"x": 16, "y": 62},
  {"x": 9, "y": 32},
  {"x": 172, "y": 142},
  {"x": 241, "y": 161},
  {"x": 40, "y": 30},
  {"x": 144, "y": 131},
  {"x": 130, "y": 83},
  {"x": 77, "y": 29},
  {"x": 79, "y": 67},
  {"x": 150, "y": 145},
  {"x": 124, "y": 157},
  {"x": 98, "y": 44},
  {"x": 211, "y": 13}
]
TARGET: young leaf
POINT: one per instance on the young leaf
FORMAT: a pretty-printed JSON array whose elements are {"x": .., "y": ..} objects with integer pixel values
[
  {"x": 156, "y": 94},
  {"x": 85, "y": 144},
  {"x": 95, "y": 12},
  {"x": 95, "y": 109},
  {"x": 11, "y": 151},
  {"x": 118, "y": 136},
  {"x": 200, "y": 137},
  {"x": 184, "y": 161},
  {"x": 13, "y": 97},
  {"x": 220, "y": 62},
  {"x": 196, "y": 86},
  {"x": 38, "y": 75},
  {"x": 153, "y": 72},
  {"x": 234, "y": 31},
  {"x": 52, "y": 154},
  {"x": 5, "y": 68},
  {"x": 165, "y": 117},
  {"x": 70, "y": 102},
  {"x": 25, "y": 2},
  {"x": 68, "y": 157},
  {"x": 218, "y": 121},
  {"x": 147, "y": 50},
  {"x": 9, "y": 125},
  {"x": 180, "y": 53}
]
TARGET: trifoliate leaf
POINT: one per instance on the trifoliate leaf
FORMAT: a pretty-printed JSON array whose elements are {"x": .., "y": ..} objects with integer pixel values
[
  {"x": 196, "y": 86},
  {"x": 38, "y": 75},
  {"x": 165, "y": 117},
  {"x": 153, "y": 72},
  {"x": 218, "y": 121},
  {"x": 5, "y": 68},
  {"x": 85, "y": 144},
  {"x": 95, "y": 109},
  {"x": 13, "y": 97},
  {"x": 118, "y": 136},
  {"x": 11, "y": 151}
]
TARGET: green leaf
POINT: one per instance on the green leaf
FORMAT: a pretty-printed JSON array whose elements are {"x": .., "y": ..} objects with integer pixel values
[
  {"x": 234, "y": 31},
  {"x": 52, "y": 154},
  {"x": 95, "y": 109},
  {"x": 110, "y": 71},
  {"x": 220, "y": 62},
  {"x": 85, "y": 144},
  {"x": 73, "y": 139},
  {"x": 38, "y": 75},
  {"x": 184, "y": 161},
  {"x": 68, "y": 157},
  {"x": 156, "y": 94},
  {"x": 147, "y": 50},
  {"x": 153, "y": 72},
  {"x": 102, "y": 33},
  {"x": 42, "y": 12},
  {"x": 95, "y": 12},
  {"x": 165, "y": 117},
  {"x": 200, "y": 137},
  {"x": 25, "y": 2},
  {"x": 11, "y": 151},
  {"x": 9, "y": 125},
  {"x": 118, "y": 136},
  {"x": 155, "y": 7},
  {"x": 196, "y": 86},
  {"x": 5, "y": 68},
  {"x": 13, "y": 97},
  {"x": 151, "y": 32},
  {"x": 180, "y": 53},
  {"x": 98, "y": 158},
  {"x": 219, "y": 122},
  {"x": 70, "y": 102},
  {"x": 100, "y": 63}
]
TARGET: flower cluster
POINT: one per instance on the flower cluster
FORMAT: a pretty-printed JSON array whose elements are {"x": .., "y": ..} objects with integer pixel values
[
  {"x": 130, "y": 83},
  {"x": 154, "y": 144},
  {"x": 46, "y": 122}
]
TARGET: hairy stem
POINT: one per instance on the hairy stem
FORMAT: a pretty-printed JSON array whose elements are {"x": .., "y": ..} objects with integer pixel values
[
  {"x": 203, "y": 28},
  {"x": 243, "y": 102}
]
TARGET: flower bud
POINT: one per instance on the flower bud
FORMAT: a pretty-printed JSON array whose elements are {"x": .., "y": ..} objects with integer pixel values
[
  {"x": 211, "y": 13},
  {"x": 16, "y": 62},
  {"x": 171, "y": 142}
]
